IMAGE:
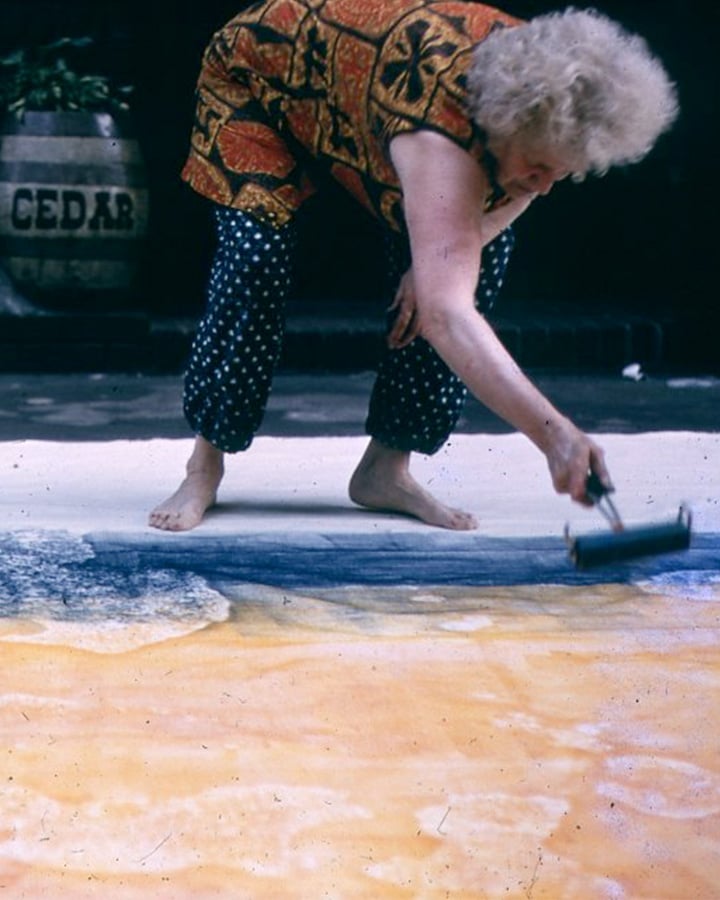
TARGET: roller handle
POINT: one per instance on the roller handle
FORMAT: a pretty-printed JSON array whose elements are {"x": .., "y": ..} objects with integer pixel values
[
  {"x": 600, "y": 496},
  {"x": 594, "y": 488}
]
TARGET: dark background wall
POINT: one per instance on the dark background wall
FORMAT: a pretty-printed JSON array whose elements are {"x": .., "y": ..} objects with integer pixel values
[{"x": 640, "y": 238}]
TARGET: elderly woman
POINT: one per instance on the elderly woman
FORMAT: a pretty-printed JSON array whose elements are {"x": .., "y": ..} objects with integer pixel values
[{"x": 445, "y": 119}]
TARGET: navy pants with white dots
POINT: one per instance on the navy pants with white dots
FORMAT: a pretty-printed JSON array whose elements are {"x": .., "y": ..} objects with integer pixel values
[{"x": 416, "y": 400}]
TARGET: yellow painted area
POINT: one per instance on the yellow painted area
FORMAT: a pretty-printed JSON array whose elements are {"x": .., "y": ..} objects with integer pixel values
[{"x": 520, "y": 743}]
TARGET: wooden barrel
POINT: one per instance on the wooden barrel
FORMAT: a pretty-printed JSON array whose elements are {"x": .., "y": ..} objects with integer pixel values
[{"x": 73, "y": 204}]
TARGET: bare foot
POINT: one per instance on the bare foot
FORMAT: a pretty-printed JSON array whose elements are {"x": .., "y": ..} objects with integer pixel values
[
  {"x": 197, "y": 493},
  {"x": 383, "y": 481}
]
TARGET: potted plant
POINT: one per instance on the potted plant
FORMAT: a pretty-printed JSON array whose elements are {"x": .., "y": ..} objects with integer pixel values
[{"x": 73, "y": 188}]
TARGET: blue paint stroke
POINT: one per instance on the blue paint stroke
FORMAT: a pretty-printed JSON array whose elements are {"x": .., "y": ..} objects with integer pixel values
[
  {"x": 294, "y": 560},
  {"x": 141, "y": 576}
]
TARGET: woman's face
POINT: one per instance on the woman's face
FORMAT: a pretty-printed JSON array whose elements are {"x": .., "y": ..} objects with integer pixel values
[{"x": 525, "y": 169}]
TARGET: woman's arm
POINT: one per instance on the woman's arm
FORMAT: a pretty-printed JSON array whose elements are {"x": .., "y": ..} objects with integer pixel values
[
  {"x": 404, "y": 329},
  {"x": 444, "y": 190}
]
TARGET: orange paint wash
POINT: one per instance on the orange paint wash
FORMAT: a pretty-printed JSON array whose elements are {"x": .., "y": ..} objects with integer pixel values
[{"x": 537, "y": 742}]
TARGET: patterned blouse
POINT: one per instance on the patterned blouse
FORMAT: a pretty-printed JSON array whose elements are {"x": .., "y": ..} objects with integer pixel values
[{"x": 291, "y": 87}]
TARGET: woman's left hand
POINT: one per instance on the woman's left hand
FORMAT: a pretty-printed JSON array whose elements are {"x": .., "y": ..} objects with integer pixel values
[
  {"x": 405, "y": 327},
  {"x": 571, "y": 457}
]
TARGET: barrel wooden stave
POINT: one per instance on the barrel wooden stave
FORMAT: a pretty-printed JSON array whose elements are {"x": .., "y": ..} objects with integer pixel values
[{"x": 74, "y": 204}]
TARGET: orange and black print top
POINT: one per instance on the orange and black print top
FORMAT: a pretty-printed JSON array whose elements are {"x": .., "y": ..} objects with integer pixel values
[{"x": 289, "y": 85}]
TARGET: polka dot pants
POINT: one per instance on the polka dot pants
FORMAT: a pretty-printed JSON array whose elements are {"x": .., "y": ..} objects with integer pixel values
[
  {"x": 239, "y": 339},
  {"x": 416, "y": 400}
]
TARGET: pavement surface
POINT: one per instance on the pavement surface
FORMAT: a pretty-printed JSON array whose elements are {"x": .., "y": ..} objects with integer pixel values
[
  {"x": 97, "y": 407},
  {"x": 85, "y": 457},
  {"x": 302, "y": 697}
]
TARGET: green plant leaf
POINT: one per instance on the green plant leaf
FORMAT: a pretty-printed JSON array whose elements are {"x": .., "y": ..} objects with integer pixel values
[{"x": 41, "y": 78}]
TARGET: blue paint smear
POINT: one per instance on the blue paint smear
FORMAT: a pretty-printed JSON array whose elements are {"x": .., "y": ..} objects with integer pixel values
[
  {"x": 60, "y": 576},
  {"x": 316, "y": 560},
  {"x": 142, "y": 576}
]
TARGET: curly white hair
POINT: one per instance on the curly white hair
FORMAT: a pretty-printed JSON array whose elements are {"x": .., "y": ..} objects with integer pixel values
[{"x": 576, "y": 82}]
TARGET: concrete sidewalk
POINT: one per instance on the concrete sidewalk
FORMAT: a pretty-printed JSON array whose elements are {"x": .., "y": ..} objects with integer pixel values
[
  {"x": 113, "y": 406},
  {"x": 89, "y": 455},
  {"x": 302, "y": 697},
  {"x": 284, "y": 517}
]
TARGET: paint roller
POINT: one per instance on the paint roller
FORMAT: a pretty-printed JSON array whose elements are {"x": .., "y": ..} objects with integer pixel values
[{"x": 623, "y": 543}]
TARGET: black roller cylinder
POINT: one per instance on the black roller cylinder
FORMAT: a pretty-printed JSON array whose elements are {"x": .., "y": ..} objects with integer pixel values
[{"x": 601, "y": 549}]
